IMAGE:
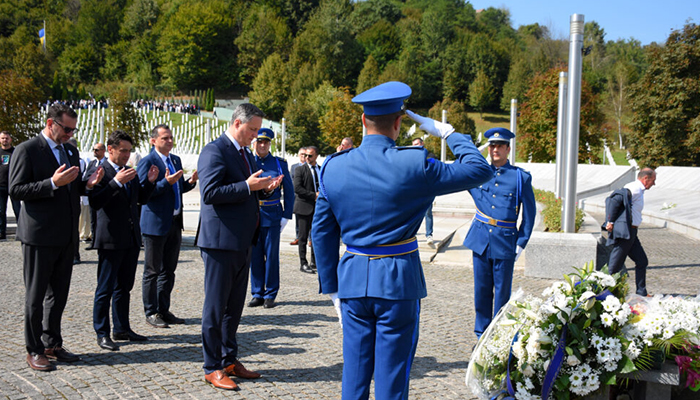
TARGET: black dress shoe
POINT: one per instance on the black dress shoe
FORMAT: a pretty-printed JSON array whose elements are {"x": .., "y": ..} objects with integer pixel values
[
  {"x": 58, "y": 353},
  {"x": 106, "y": 343},
  {"x": 256, "y": 302},
  {"x": 269, "y": 303},
  {"x": 157, "y": 321},
  {"x": 39, "y": 362},
  {"x": 171, "y": 319},
  {"x": 76, "y": 261},
  {"x": 312, "y": 266},
  {"x": 307, "y": 269},
  {"x": 130, "y": 336}
]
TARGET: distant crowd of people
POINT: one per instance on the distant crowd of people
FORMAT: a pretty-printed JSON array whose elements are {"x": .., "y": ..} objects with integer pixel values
[
  {"x": 372, "y": 199},
  {"x": 178, "y": 107}
]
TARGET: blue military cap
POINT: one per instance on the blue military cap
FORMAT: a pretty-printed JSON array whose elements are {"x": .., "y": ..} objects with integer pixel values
[
  {"x": 266, "y": 133},
  {"x": 499, "y": 135},
  {"x": 386, "y": 98}
]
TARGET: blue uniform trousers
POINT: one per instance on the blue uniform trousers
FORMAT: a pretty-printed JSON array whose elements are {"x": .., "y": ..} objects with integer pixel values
[
  {"x": 490, "y": 275},
  {"x": 115, "y": 278},
  {"x": 225, "y": 282},
  {"x": 631, "y": 247},
  {"x": 265, "y": 265},
  {"x": 385, "y": 335}
]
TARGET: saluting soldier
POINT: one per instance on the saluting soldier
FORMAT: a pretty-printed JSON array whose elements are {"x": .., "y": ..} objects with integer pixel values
[
  {"x": 274, "y": 215},
  {"x": 377, "y": 208},
  {"x": 494, "y": 237}
]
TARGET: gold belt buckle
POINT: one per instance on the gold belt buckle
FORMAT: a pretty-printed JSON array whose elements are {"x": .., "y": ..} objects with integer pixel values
[{"x": 492, "y": 221}]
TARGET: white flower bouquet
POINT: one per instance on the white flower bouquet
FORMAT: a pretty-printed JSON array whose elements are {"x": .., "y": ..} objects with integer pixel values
[{"x": 565, "y": 346}]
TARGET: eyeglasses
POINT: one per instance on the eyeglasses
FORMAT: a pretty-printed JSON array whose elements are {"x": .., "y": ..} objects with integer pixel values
[
  {"x": 96, "y": 149},
  {"x": 67, "y": 130}
]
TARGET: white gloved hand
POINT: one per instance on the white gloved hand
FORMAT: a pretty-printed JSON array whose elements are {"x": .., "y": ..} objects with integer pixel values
[
  {"x": 283, "y": 223},
  {"x": 336, "y": 304},
  {"x": 518, "y": 252},
  {"x": 435, "y": 128}
]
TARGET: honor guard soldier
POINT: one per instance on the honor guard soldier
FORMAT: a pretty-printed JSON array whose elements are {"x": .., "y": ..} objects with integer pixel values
[
  {"x": 376, "y": 208},
  {"x": 494, "y": 237},
  {"x": 274, "y": 215}
]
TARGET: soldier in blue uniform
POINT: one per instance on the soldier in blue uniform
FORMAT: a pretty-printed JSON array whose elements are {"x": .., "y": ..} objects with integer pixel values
[
  {"x": 274, "y": 215},
  {"x": 374, "y": 197},
  {"x": 494, "y": 237}
]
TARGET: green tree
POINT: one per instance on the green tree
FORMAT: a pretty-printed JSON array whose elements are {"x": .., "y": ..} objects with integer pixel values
[
  {"x": 30, "y": 61},
  {"x": 369, "y": 76},
  {"x": 196, "y": 46},
  {"x": 381, "y": 41},
  {"x": 481, "y": 93},
  {"x": 457, "y": 116},
  {"x": 342, "y": 119},
  {"x": 264, "y": 32},
  {"x": 126, "y": 117},
  {"x": 666, "y": 103},
  {"x": 80, "y": 64},
  {"x": 139, "y": 17},
  {"x": 302, "y": 125},
  {"x": 19, "y": 106},
  {"x": 271, "y": 87},
  {"x": 537, "y": 131}
]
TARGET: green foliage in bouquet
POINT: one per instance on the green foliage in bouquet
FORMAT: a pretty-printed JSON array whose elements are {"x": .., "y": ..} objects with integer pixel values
[{"x": 568, "y": 345}]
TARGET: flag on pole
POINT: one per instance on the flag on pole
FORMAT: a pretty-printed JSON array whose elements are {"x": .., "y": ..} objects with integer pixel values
[{"x": 42, "y": 36}]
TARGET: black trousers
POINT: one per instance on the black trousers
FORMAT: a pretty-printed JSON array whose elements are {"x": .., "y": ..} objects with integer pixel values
[
  {"x": 116, "y": 272},
  {"x": 633, "y": 249},
  {"x": 16, "y": 205},
  {"x": 47, "y": 274},
  {"x": 304, "y": 222},
  {"x": 161, "y": 254}
]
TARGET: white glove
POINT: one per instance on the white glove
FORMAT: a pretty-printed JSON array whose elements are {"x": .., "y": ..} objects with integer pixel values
[
  {"x": 283, "y": 223},
  {"x": 336, "y": 304},
  {"x": 518, "y": 252},
  {"x": 435, "y": 128}
]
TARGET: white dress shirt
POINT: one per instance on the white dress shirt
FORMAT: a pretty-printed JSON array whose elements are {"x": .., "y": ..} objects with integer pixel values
[{"x": 637, "y": 188}]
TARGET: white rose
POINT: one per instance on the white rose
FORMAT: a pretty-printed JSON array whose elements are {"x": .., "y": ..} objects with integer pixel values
[{"x": 572, "y": 360}]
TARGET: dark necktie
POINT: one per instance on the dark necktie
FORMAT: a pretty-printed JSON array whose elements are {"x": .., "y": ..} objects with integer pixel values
[
  {"x": 176, "y": 186},
  {"x": 315, "y": 173},
  {"x": 245, "y": 160},
  {"x": 64, "y": 159}
]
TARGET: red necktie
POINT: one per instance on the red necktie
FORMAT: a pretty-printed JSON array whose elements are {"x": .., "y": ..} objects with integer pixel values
[{"x": 245, "y": 160}]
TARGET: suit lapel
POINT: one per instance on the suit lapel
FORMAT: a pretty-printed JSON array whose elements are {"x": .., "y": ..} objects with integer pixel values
[{"x": 47, "y": 151}]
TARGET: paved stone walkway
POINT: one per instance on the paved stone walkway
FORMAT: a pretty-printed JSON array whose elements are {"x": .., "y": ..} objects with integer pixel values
[{"x": 297, "y": 346}]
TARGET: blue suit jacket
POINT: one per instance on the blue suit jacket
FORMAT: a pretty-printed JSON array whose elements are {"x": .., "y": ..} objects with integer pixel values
[
  {"x": 618, "y": 210},
  {"x": 157, "y": 214},
  {"x": 497, "y": 199},
  {"x": 378, "y": 194},
  {"x": 228, "y": 215},
  {"x": 273, "y": 167}
]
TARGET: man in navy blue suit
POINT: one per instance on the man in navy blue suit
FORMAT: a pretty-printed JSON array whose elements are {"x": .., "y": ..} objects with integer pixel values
[
  {"x": 117, "y": 239},
  {"x": 229, "y": 223},
  {"x": 161, "y": 225},
  {"x": 377, "y": 284}
]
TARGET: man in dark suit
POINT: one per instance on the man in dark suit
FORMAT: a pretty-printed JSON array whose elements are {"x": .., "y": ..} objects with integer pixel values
[
  {"x": 306, "y": 190},
  {"x": 302, "y": 161},
  {"x": 229, "y": 224},
  {"x": 117, "y": 239},
  {"x": 98, "y": 150},
  {"x": 161, "y": 225},
  {"x": 44, "y": 173}
]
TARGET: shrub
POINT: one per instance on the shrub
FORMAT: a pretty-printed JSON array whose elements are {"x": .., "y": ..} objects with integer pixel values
[{"x": 551, "y": 213}]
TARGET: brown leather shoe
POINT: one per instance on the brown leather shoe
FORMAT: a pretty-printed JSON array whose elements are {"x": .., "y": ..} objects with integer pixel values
[
  {"x": 60, "y": 354},
  {"x": 221, "y": 380},
  {"x": 294, "y": 242},
  {"x": 39, "y": 362},
  {"x": 237, "y": 369}
]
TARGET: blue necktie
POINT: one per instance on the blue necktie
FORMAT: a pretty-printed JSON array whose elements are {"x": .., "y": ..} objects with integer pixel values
[{"x": 176, "y": 186}]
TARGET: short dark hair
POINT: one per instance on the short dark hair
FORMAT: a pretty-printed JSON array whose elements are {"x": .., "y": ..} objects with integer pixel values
[
  {"x": 57, "y": 111},
  {"x": 384, "y": 122},
  {"x": 117, "y": 136},
  {"x": 245, "y": 112},
  {"x": 314, "y": 148},
  {"x": 154, "y": 131}
]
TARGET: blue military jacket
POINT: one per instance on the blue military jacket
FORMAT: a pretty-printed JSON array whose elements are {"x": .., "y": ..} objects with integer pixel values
[
  {"x": 270, "y": 215},
  {"x": 499, "y": 199},
  {"x": 377, "y": 194}
]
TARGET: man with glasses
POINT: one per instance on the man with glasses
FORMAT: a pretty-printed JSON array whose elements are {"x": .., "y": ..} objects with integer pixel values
[
  {"x": 306, "y": 191},
  {"x": 44, "y": 173},
  {"x": 302, "y": 161}
]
